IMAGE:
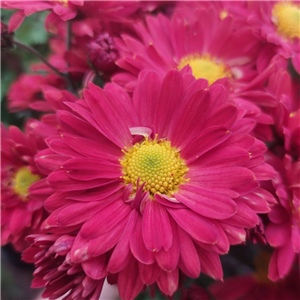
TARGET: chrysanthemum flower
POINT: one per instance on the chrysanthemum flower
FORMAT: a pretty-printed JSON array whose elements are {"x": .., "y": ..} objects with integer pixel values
[
  {"x": 277, "y": 23},
  {"x": 20, "y": 213},
  {"x": 55, "y": 271},
  {"x": 205, "y": 44},
  {"x": 283, "y": 231},
  {"x": 161, "y": 183},
  {"x": 26, "y": 92}
]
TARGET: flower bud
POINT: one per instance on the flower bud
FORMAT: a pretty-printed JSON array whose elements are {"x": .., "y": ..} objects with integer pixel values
[{"x": 103, "y": 54}]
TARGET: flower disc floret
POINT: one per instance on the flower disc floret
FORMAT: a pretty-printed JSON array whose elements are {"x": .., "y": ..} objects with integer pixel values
[
  {"x": 286, "y": 16},
  {"x": 157, "y": 164},
  {"x": 22, "y": 180},
  {"x": 205, "y": 67}
]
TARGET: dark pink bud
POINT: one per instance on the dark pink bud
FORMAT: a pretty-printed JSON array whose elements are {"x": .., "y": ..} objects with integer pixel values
[
  {"x": 103, "y": 54},
  {"x": 6, "y": 38}
]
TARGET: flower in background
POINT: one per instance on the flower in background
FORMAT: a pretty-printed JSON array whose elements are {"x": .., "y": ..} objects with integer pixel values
[
  {"x": 181, "y": 188},
  {"x": 277, "y": 23},
  {"x": 20, "y": 213},
  {"x": 283, "y": 230}
]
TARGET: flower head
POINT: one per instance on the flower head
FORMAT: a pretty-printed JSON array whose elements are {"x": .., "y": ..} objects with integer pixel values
[
  {"x": 21, "y": 213},
  {"x": 188, "y": 178}
]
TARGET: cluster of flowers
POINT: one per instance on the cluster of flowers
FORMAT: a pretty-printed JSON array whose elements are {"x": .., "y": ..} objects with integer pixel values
[{"x": 190, "y": 145}]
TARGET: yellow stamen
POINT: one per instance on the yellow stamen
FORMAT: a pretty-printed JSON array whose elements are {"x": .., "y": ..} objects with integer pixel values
[
  {"x": 205, "y": 67},
  {"x": 64, "y": 2},
  {"x": 286, "y": 16},
  {"x": 223, "y": 14},
  {"x": 156, "y": 163},
  {"x": 22, "y": 180}
]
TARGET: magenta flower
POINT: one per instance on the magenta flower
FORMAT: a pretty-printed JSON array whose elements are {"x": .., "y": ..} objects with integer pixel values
[
  {"x": 162, "y": 183},
  {"x": 283, "y": 231},
  {"x": 277, "y": 23},
  {"x": 21, "y": 214},
  {"x": 208, "y": 46}
]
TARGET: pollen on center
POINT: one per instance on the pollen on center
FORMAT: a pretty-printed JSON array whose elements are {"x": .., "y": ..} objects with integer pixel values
[
  {"x": 205, "y": 67},
  {"x": 157, "y": 164},
  {"x": 22, "y": 180},
  {"x": 286, "y": 16}
]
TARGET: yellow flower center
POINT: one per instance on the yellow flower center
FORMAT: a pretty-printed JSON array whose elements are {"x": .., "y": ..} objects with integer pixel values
[
  {"x": 156, "y": 163},
  {"x": 64, "y": 2},
  {"x": 286, "y": 16},
  {"x": 22, "y": 180},
  {"x": 205, "y": 67},
  {"x": 223, "y": 14}
]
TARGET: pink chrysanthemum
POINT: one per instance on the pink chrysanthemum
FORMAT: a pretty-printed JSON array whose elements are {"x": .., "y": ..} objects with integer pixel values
[
  {"x": 162, "y": 183},
  {"x": 277, "y": 23},
  {"x": 206, "y": 44},
  {"x": 26, "y": 92},
  {"x": 55, "y": 271},
  {"x": 283, "y": 231},
  {"x": 20, "y": 213}
]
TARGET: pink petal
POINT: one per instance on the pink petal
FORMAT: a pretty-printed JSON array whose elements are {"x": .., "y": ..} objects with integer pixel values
[
  {"x": 205, "y": 141},
  {"x": 169, "y": 99},
  {"x": 168, "y": 282},
  {"x": 129, "y": 281},
  {"x": 189, "y": 261},
  {"x": 88, "y": 168},
  {"x": 149, "y": 273},
  {"x": 121, "y": 254},
  {"x": 278, "y": 234},
  {"x": 102, "y": 222},
  {"x": 16, "y": 20},
  {"x": 168, "y": 260},
  {"x": 148, "y": 89},
  {"x": 200, "y": 228},
  {"x": 206, "y": 203},
  {"x": 156, "y": 228},
  {"x": 95, "y": 267},
  {"x": 210, "y": 264},
  {"x": 137, "y": 246}
]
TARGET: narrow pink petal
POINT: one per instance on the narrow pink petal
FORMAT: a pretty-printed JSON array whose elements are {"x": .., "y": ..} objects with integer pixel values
[
  {"x": 278, "y": 234},
  {"x": 108, "y": 117},
  {"x": 103, "y": 148},
  {"x": 102, "y": 222},
  {"x": 121, "y": 254},
  {"x": 20, "y": 220},
  {"x": 168, "y": 282},
  {"x": 210, "y": 264},
  {"x": 60, "y": 181},
  {"x": 189, "y": 122},
  {"x": 286, "y": 257},
  {"x": 16, "y": 20},
  {"x": 88, "y": 168},
  {"x": 95, "y": 267},
  {"x": 206, "y": 203},
  {"x": 149, "y": 273},
  {"x": 169, "y": 100},
  {"x": 234, "y": 234},
  {"x": 199, "y": 227},
  {"x": 156, "y": 228},
  {"x": 223, "y": 156},
  {"x": 237, "y": 178},
  {"x": 273, "y": 272},
  {"x": 205, "y": 141},
  {"x": 129, "y": 281},
  {"x": 71, "y": 214},
  {"x": 137, "y": 246},
  {"x": 148, "y": 89},
  {"x": 168, "y": 260},
  {"x": 224, "y": 116},
  {"x": 56, "y": 200},
  {"x": 189, "y": 261},
  {"x": 245, "y": 217}
]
